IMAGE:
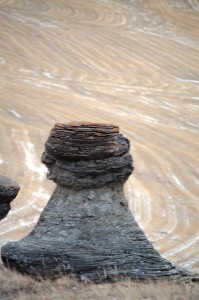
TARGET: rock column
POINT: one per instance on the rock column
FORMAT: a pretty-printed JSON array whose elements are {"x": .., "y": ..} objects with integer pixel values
[
  {"x": 8, "y": 191},
  {"x": 86, "y": 227}
]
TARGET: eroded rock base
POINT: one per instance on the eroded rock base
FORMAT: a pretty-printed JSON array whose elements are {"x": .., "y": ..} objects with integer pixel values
[{"x": 91, "y": 233}]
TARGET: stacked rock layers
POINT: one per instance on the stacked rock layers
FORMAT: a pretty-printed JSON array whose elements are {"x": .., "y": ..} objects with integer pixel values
[
  {"x": 86, "y": 227},
  {"x": 87, "y": 155},
  {"x": 8, "y": 191}
]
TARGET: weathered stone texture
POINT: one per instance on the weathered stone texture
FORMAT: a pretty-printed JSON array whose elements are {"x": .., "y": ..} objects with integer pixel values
[
  {"x": 8, "y": 191},
  {"x": 86, "y": 141},
  {"x": 87, "y": 228}
]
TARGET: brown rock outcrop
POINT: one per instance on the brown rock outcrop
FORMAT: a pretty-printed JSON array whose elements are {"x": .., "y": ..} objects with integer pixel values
[
  {"x": 8, "y": 191},
  {"x": 87, "y": 155},
  {"x": 87, "y": 228}
]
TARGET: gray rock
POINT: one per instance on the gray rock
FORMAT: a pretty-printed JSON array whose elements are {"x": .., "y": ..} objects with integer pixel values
[
  {"x": 87, "y": 228},
  {"x": 8, "y": 191}
]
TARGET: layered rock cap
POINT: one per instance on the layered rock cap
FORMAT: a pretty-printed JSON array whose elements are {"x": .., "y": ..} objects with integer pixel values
[
  {"x": 87, "y": 155},
  {"x": 8, "y": 191}
]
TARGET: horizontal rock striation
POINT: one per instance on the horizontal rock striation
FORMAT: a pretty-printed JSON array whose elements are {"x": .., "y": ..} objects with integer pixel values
[
  {"x": 87, "y": 228},
  {"x": 86, "y": 141},
  {"x": 86, "y": 155},
  {"x": 8, "y": 191}
]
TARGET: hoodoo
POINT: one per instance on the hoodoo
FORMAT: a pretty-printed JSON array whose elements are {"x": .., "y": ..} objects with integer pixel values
[
  {"x": 86, "y": 227},
  {"x": 8, "y": 191}
]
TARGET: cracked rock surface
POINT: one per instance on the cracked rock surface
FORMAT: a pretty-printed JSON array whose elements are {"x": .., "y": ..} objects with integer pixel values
[{"x": 86, "y": 227}]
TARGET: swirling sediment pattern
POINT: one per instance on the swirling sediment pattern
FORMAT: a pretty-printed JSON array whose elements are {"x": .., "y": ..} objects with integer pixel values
[{"x": 130, "y": 63}]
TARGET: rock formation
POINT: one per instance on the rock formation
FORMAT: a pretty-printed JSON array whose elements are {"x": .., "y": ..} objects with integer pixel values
[
  {"x": 86, "y": 227},
  {"x": 8, "y": 191}
]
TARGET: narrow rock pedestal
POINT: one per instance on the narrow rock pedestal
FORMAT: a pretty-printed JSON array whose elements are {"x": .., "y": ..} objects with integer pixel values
[
  {"x": 8, "y": 191},
  {"x": 87, "y": 228}
]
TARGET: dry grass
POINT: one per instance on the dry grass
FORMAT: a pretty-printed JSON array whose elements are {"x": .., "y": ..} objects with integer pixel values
[{"x": 16, "y": 286}]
